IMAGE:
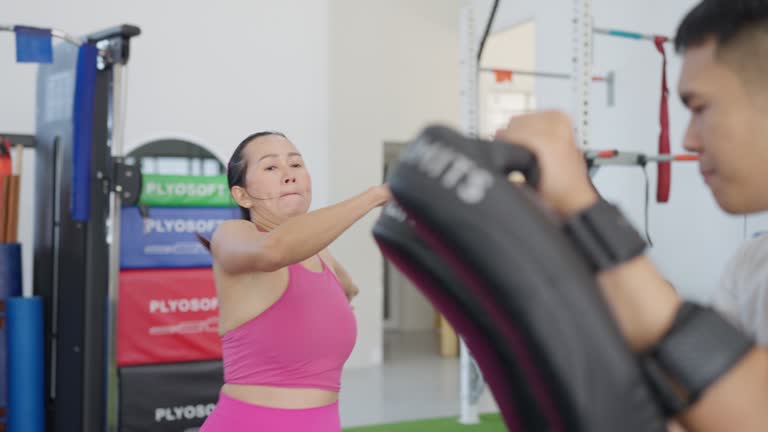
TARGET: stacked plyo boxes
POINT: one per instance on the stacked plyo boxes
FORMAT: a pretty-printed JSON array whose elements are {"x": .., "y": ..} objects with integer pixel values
[{"x": 168, "y": 348}]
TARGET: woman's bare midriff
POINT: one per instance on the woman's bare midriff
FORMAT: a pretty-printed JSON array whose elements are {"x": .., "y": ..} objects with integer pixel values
[{"x": 281, "y": 397}]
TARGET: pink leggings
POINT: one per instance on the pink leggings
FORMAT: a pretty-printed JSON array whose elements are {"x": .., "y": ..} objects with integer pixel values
[{"x": 232, "y": 415}]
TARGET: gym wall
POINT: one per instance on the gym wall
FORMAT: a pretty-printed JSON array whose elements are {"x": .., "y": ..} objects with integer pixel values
[
  {"x": 204, "y": 72},
  {"x": 393, "y": 69},
  {"x": 692, "y": 236},
  {"x": 350, "y": 73},
  {"x": 341, "y": 77}
]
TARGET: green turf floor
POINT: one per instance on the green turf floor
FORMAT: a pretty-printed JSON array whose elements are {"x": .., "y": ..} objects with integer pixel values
[{"x": 488, "y": 423}]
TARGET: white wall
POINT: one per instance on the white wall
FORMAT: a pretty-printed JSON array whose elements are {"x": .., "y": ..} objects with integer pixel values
[
  {"x": 209, "y": 72},
  {"x": 343, "y": 76},
  {"x": 357, "y": 73},
  {"x": 692, "y": 236},
  {"x": 513, "y": 49},
  {"x": 393, "y": 69}
]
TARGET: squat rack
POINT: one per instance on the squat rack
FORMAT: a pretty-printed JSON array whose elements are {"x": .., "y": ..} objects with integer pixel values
[
  {"x": 76, "y": 251},
  {"x": 581, "y": 77}
]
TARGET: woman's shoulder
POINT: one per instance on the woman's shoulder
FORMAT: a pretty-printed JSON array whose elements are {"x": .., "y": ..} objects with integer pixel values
[
  {"x": 232, "y": 232},
  {"x": 235, "y": 226}
]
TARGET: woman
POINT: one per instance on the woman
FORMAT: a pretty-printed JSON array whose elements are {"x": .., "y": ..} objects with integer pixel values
[{"x": 284, "y": 317}]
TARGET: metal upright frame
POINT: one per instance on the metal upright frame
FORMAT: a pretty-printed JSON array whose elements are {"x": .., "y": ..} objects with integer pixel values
[
  {"x": 74, "y": 260},
  {"x": 469, "y": 124}
]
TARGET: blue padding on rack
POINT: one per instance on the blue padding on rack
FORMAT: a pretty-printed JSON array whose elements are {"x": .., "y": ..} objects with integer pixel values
[
  {"x": 165, "y": 236},
  {"x": 33, "y": 45},
  {"x": 10, "y": 270},
  {"x": 26, "y": 400},
  {"x": 85, "y": 88}
]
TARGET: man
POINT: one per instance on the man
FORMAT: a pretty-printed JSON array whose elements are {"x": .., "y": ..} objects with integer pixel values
[{"x": 724, "y": 83}]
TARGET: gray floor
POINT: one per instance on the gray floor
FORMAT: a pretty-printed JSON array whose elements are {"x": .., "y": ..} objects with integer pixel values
[{"x": 413, "y": 383}]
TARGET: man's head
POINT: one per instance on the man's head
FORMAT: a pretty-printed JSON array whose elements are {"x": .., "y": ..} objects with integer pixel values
[{"x": 724, "y": 83}]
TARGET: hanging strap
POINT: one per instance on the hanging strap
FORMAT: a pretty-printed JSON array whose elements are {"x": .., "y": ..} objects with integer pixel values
[
  {"x": 664, "y": 168},
  {"x": 5, "y": 157}
]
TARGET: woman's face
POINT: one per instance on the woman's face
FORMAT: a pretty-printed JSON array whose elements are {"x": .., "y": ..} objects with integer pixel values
[{"x": 277, "y": 183}]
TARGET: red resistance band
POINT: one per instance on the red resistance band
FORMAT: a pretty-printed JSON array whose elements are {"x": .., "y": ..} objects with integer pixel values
[
  {"x": 665, "y": 168},
  {"x": 5, "y": 157}
]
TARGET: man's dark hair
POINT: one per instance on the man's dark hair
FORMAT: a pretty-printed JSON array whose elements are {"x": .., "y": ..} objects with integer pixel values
[{"x": 725, "y": 20}]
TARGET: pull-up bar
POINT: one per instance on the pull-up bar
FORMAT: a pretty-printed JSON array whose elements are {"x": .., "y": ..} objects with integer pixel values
[
  {"x": 608, "y": 79},
  {"x": 59, "y": 34},
  {"x": 616, "y": 157},
  {"x": 34, "y": 44},
  {"x": 596, "y": 78},
  {"x": 597, "y": 158},
  {"x": 630, "y": 35}
]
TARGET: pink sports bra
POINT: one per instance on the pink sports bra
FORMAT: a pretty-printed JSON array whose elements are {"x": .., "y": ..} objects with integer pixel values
[{"x": 301, "y": 341}]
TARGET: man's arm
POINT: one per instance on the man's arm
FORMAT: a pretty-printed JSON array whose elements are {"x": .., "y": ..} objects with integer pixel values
[
  {"x": 643, "y": 303},
  {"x": 645, "y": 306}
]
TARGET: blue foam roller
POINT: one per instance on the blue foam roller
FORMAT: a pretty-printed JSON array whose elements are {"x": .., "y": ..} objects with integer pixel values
[
  {"x": 10, "y": 270},
  {"x": 10, "y": 286},
  {"x": 26, "y": 401},
  {"x": 3, "y": 364}
]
